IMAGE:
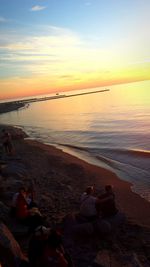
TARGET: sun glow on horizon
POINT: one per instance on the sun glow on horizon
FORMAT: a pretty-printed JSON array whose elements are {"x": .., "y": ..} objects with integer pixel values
[{"x": 38, "y": 57}]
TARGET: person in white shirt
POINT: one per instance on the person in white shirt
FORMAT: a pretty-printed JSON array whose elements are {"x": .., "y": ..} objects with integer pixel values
[{"x": 88, "y": 204}]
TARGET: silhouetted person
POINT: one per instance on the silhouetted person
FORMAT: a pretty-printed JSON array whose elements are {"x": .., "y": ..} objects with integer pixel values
[
  {"x": 88, "y": 204},
  {"x": 7, "y": 142},
  {"x": 106, "y": 204}
]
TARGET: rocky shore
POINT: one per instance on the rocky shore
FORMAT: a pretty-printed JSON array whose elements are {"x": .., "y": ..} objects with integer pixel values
[{"x": 59, "y": 180}]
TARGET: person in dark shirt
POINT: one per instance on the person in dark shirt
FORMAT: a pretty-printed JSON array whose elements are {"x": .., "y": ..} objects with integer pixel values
[
  {"x": 37, "y": 244},
  {"x": 106, "y": 205}
]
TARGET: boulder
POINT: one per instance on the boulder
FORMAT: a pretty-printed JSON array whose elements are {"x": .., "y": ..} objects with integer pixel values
[
  {"x": 14, "y": 168},
  {"x": 83, "y": 229},
  {"x": 4, "y": 212},
  {"x": 101, "y": 227},
  {"x": 106, "y": 258},
  {"x": 10, "y": 251}
]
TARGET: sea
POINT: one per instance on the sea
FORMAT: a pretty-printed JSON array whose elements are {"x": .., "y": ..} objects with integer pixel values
[{"x": 109, "y": 129}]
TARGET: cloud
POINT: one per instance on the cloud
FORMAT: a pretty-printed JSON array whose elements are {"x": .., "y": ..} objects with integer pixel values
[
  {"x": 38, "y": 8},
  {"x": 2, "y": 19},
  {"x": 59, "y": 52}
]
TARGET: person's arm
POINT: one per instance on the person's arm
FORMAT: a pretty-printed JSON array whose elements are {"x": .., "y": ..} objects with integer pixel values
[{"x": 102, "y": 200}]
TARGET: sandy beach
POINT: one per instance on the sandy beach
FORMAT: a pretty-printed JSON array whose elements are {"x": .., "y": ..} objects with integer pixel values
[
  {"x": 58, "y": 175},
  {"x": 59, "y": 179},
  {"x": 72, "y": 176}
]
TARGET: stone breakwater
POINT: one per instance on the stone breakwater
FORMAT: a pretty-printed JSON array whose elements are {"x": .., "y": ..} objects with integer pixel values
[{"x": 10, "y": 106}]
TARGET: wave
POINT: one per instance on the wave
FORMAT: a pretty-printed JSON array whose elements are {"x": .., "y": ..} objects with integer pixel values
[{"x": 134, "y": 152}]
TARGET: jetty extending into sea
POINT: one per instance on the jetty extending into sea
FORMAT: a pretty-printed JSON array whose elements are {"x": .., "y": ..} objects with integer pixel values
[{"x": 15, "y": 105}]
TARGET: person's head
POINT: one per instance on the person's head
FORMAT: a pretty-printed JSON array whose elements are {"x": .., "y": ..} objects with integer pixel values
[
  {"x": 22, "y": 191},
  {"x": 89, "y": 190},
  {"x": 41, "y": 232},
  {"x": 29, "y": 191},
  {"x": 108, "y": 188}
]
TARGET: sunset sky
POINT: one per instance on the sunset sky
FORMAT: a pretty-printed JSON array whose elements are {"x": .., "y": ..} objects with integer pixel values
[{"x": 56, "y": 45}]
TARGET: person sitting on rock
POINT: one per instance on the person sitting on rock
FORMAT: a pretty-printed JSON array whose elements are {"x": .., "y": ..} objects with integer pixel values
[
  {"x": 106, "y": 204},
  {"x": 88, "y": 204},
  {"x": 54, "y": 253},
  {"x": 31, "y": 217},
  {"x": 30, "y": 195},
  {"x": 46, "y": 249},
  {"x": 37, "y": 244}
]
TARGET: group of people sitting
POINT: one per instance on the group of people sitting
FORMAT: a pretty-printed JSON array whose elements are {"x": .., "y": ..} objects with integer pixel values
[
  {"x": 103, "y": 206},
  {"x": 45, "y": 245}
]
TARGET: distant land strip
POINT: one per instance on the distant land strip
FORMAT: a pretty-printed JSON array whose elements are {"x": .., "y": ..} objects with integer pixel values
[{"x": 17, "y": 104}]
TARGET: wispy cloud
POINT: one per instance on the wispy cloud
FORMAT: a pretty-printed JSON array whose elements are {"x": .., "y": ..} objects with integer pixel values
[
  {"x": 2, "y": 19},
  {"x": 57, "y": 52},
  {"x": 37, "y": 8}
]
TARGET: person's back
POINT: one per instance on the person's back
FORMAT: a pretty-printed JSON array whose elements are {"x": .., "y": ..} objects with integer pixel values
[
  {"x": 88, "y": 204},
  {"x": 14, "y": 199},
  {"x": 107, "y": 203},
  {"x": 54, "y": 254},
  {"x": 53, "y": 257},
  {"x": 37, "y": 245}
]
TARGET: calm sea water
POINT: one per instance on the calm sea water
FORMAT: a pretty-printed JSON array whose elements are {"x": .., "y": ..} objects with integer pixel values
[{"x": 110, "y": 129}]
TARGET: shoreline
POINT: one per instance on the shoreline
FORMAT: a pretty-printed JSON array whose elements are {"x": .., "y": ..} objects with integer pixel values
[
  {"x": 132, "y": 204},
  {"x": 58, "y": 180},
  {"x": 63, "y": 178}
]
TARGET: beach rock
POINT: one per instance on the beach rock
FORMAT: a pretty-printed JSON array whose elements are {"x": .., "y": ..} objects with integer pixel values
[
  {"x": 4, "y": 212},
  {"x": 117, "y": 220},
  {"x": 10, "y": 252},
  {"x": 16, "y": 132},
  {"x": 9, "y": 186},
  {"x": 102, "y": 259},
  {"x": 101, "y": 227},
  {"x": 131, "y": 260},
  {"x": 106, "y": 258},
  {"x": 83, "y": 229},
  {"x": 14, "y": 168},
  {"x": 1, "y": 184},
  {"x": 13, "y": 185},
  {"x": 18, "y": 229}
]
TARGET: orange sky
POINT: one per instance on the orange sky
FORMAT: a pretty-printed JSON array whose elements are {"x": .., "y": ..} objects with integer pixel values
[{"x": 43, "y": 52}]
